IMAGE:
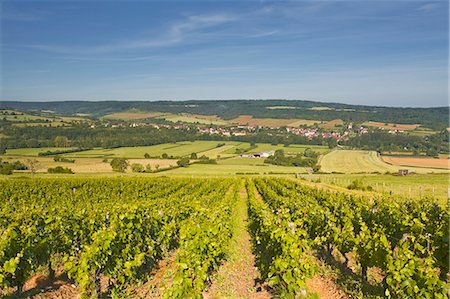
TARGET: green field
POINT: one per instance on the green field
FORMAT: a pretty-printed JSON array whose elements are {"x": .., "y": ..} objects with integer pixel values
[
  {"x": 191, "y": 119},
  {"x": 33, "y": 152},
  {"x": 292, "y": 149},
  {"x": 356, "y": 161},
  {"x": 417, "y": 184},
  {"x": 172, "y": 149}
]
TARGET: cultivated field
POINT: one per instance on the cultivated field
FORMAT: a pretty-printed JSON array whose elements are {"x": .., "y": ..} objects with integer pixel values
[
  {"x": 414, "y": 185},
  {"x": 132, "y": 115},
  {"x": 332, "y": 123},
  {"x": 355, "y": 161},
  {"x": 190, "y": 118},
  {"x": 216, "y": 238},
  {"x": 386, "y": 126},
  {"x": 33, "y": 152},
  {"x": 417, "y": 162},
  {"x": 272, "y": 122}
]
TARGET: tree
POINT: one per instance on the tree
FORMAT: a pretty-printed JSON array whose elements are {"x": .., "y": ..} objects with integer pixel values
[
  {"x": 60, "y": 169},
  {"x": 119, "y": 164},
  {"x": 332, "y": 143},
  {"x": 183, "y": 162},
  {"x": 279, "y": 153},
  {"x": 33, "y": 165},
  {"x": 432, "y": 152},
  {"x": 148, "y": 168},
  {"x": 157, "y": 167},
  {"x": 61, "y": 141},
  {"x": 194, "y": 156},
  {"x": 136, "y": 167},
  {"x": 165, "y": 156},
  {"x": 146, "y": 156},
  {"x": 6, "y": 168}
]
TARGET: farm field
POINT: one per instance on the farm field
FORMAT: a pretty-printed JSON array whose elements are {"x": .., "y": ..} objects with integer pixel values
[
  {"x": 190, "y": 118},
  {"x": 332, "y": 123},
  {"x": 418, "y": 184},
  {"x": 213, "y": 238},
  {"x": 417, "y": 162},
  {"x": 131, "y": 115},
  {"x": 26, "y": 117},
  {"x": 184, "y": 148},
  {"x": 292, "y": 149},
  {"x": 356, "y": 161},
  {"x": 271, "y": 122},
  {"x": 390, "y": 126},
  {"x": 33, "y": 152}
]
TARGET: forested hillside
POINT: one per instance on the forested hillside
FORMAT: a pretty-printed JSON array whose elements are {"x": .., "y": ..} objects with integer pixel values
[{"x": 434, "y": 118}]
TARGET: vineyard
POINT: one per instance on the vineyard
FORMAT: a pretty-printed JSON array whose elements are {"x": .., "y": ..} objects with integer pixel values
[{"x": 109, "y": 235}]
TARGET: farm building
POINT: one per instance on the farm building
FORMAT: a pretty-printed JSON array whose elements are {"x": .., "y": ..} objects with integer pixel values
[
  {"x": 258, "y": 155},
  {"x": 403, "y": 172}
]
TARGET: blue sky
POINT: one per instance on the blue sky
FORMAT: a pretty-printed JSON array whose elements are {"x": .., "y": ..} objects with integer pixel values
[{"x": 391, "y": 53}]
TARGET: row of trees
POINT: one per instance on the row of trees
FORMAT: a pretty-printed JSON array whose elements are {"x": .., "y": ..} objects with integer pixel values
[
  {"x": 382, "y": 141},
  {"x": 309, "y": 158}
]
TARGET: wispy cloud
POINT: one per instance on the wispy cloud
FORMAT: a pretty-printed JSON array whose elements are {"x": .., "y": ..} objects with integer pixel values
[{"x": 176, "y": 33}]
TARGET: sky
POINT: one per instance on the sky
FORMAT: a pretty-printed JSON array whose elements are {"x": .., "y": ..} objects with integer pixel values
[{"x": 392, "y": 53}]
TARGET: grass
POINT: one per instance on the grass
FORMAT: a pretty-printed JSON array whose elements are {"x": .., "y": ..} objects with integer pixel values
[
  {"x": 225, "y": 169},
  {"x": 332, "y": 123},
  {"x": 400, "y": 185},
  {"x": 272, "y": 122},
  {"x": 174, "y": 149},
  {"x": 132, "y": 114},
  {"x": 44, "y": 124},
  {"x": 33, "y": 152},
  {"x": 356, "y": 161},
  {"x": 417, "y": 162},
  {"x": 292, "y": 149},
  {"x": 388, "y": 126},
  {"x": 188, "y": 118}
]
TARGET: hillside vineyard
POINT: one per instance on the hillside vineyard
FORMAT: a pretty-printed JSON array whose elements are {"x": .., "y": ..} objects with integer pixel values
[{"x": 118, "y": 229}]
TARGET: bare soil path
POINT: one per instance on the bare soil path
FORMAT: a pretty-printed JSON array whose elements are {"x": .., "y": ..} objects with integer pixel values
[{"x": 237, "y": 275}]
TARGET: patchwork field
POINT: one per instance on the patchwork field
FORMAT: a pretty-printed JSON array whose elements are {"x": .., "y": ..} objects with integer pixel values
[
  {"x": 191, "y": 118},
  {"x": 132, "y": 115},
  {"x": 292, "y": 149},
  {"x": 172, "y": 149},
  {"x": 19, "y": 116},
  {"x": 33, "y": 152},
  {"x": 355, "y": 161},
  {"x": 401, "y": 127},
  {"x": 332, "y": 123},
  {"x": 417, "y": 162},
  {"x": 272, "y": 122}
]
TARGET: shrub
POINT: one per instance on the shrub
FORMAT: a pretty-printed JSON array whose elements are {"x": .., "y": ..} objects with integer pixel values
[
  {"x": 136, "y": 167},
  {"x": 183, "y": 162},
  {"x": 358, "y": 184},
  {"x": 119, "y": 164},
  {"x": 60, "y": 169}
]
